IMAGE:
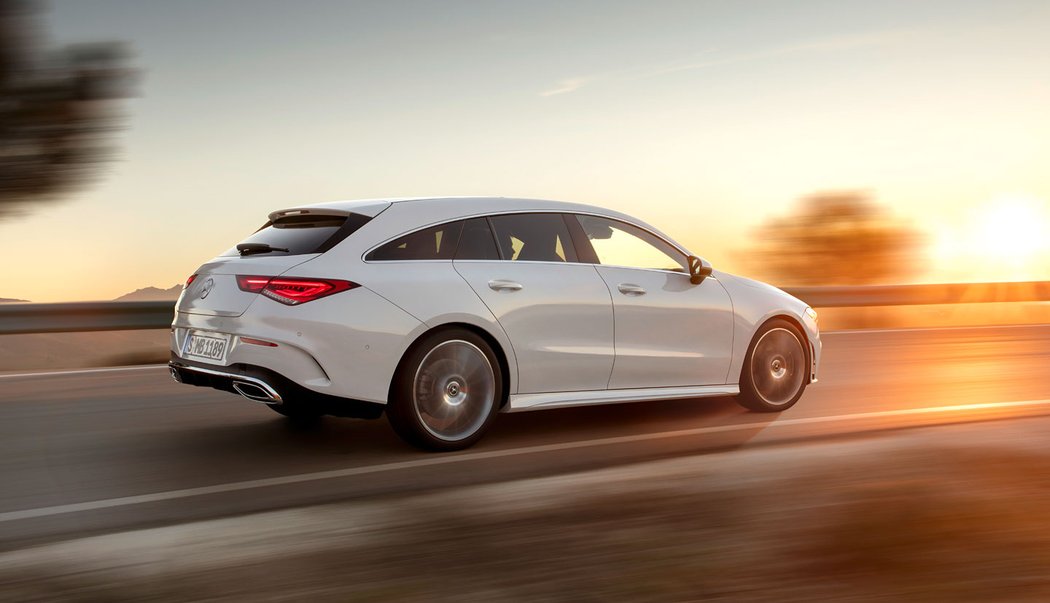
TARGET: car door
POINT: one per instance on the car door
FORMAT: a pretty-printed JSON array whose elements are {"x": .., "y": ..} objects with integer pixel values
[
  {"x": 669, "y": 332},
  {"x": 556, "y": 311}
]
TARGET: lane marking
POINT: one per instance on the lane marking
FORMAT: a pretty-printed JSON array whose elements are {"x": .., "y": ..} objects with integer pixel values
[
  {"x": 110, "y": 369},
  {"x": 435, "y": 460}
]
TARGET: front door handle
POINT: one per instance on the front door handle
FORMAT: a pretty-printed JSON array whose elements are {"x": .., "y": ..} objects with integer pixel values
[
  {"x": 629, "y": 289},
  {"x": 502, "y": 285}
]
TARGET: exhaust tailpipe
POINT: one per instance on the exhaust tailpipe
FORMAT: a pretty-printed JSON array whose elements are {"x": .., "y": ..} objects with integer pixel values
[{"x": 257, "y": 391}]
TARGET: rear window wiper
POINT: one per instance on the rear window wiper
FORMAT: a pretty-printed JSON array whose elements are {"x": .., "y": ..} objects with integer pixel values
[{"x": 252, "y": 248}]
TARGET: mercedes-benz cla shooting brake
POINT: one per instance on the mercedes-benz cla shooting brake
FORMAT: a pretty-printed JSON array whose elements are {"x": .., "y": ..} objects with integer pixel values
[{"x": 442, "y": 312}]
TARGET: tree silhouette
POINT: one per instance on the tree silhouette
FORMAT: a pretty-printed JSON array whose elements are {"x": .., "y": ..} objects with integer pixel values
[
  {"x": 835, "y": 238},
  {"x": 56, "y": 110}
]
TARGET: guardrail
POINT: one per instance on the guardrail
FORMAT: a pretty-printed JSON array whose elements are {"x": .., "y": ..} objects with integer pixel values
[{"x": 122, "y": 316}]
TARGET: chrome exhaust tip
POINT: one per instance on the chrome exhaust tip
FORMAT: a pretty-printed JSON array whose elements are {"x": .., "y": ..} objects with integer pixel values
[
  {"x": 175, "y": 374},
  {"x": 257, "y": 392}
]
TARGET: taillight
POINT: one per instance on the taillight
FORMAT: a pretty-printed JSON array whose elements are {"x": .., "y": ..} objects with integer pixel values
[
  {"x": 252, "y": 284},
  {"x": 192, "y": 278},
  {"x": 292, "y": 290}
]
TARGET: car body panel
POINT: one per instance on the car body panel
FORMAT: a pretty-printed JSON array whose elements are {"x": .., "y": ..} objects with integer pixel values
[
  {"x": 674, "y": 333},
  {"x": 356, "y": 338},
  {"x": 560, "y": 321},
  {"x": 214, "y": 290},
  {"x": 558, "y": 352},
  {"x": 755, "y": 303}
]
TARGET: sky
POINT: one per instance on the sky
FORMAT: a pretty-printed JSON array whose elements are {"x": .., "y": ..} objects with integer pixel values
[{"x": 703, "y": 118}]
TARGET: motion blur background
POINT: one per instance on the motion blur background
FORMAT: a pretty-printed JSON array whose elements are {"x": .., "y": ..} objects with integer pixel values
[
  {"x": 816, "y": 143},
  {"x": 922, "y": 126},
  {"x": 809, "y": 144}
]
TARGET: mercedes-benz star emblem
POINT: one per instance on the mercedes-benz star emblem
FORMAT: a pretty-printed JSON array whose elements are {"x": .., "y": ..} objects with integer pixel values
[{"x": 206, "y": 289}]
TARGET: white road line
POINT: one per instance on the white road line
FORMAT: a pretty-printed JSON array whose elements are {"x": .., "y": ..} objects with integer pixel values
[
  {"x": 112, "y": 369},
  {"x": 430, "y": 461}
]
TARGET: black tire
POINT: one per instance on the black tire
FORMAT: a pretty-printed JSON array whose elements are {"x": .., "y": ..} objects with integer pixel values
[
  {"x": 776, "y": 369},
  {"x": 446, "y": 391}
]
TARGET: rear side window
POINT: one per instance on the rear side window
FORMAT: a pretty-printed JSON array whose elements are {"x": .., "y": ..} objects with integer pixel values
[
  {"x": 296, "y": 235},
  {"x": 533, "y": 238},
  {"x": 476, "y": 242},
  {"x": 434, "y": 243}
]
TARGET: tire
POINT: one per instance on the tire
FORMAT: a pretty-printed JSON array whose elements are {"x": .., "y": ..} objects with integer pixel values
[
  {"x": 776, "y": 368},
  {"x": 446, "y": 391}
]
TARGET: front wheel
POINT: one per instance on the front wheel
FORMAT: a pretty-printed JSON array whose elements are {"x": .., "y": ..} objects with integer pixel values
[
  {"x": 775, "y": 369},
  {"x": 446, "y": 392}
]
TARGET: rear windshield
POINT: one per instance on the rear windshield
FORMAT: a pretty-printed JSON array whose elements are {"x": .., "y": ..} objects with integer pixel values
[{"x": 296, "y": 235}]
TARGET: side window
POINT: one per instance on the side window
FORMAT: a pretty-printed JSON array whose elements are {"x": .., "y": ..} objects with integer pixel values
[
  {"x": 620, "y": 244},
  {"x": 533, "y": 238},
  {"x": 476, "y": 242},
  {"x": 434, "y": 243}
]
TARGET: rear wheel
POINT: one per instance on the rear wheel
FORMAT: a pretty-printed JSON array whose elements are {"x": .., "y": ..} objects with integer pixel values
[
  {"x": 776, "y": 368},
  {"x": 446, "y": 392}
]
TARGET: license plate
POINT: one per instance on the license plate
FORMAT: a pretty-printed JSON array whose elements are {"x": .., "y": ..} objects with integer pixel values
[{"x": 209, "y": 347}]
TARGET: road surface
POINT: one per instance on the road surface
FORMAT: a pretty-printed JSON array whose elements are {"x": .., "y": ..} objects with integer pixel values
[{"x": 93, "y": 451}]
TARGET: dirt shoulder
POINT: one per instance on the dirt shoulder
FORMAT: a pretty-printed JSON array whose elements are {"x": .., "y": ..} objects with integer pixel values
[{"x": 949, "y": 513}]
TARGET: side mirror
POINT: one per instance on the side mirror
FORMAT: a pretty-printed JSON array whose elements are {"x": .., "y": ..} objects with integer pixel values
[{"x": 699, "y": 269}]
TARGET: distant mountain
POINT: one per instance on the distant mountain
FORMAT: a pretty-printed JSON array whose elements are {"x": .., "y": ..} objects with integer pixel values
[
  {"x": 7, "y": 300},
  {"x": 152, "y": 294}
]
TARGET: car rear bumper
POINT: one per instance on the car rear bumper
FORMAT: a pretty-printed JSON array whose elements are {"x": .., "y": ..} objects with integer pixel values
[{"x": 264, "y": 385}]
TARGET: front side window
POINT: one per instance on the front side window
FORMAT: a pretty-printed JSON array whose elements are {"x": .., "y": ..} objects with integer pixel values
[
  {"x": 533, "y": 238},
  {"x": 620, "y": 244},
  {"x": 434, "y": 243}
]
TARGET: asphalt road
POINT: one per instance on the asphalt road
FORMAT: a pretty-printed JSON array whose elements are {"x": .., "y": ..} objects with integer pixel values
[{"x": 87, "y": 452}]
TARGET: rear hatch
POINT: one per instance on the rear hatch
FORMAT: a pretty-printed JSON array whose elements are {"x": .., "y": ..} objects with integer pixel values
[{"x": 285, "y": 241}]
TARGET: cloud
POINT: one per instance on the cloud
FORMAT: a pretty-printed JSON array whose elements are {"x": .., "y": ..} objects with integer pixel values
[
  {"x": 568, "y": 85},
  {"x": 822, "y": 44}
]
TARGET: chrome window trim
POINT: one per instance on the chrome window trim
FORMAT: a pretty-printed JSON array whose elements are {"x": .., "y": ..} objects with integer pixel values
[{"x": 523, "y": 211}]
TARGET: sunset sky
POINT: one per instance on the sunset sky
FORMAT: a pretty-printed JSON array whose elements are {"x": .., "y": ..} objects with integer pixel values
[{"x": 704, "y": 118}]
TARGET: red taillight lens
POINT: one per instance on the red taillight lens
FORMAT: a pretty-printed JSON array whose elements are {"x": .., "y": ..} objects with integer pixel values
[
  {"x": 192, "y": 278},
  {"x": 252, "y": 284},
  {"x": 291, "y": 290}
]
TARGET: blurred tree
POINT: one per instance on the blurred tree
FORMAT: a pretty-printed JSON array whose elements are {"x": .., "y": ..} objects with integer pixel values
[
  {"x": 836, "y": 238},
  {"x": 55, "y": 110}
]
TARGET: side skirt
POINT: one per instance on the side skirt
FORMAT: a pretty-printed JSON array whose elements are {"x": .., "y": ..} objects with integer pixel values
[{"x": 521, "y": 402}]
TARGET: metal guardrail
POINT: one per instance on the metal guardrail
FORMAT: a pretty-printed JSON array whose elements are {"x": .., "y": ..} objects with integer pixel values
[
  {"x": 85, "y": 316},
  {"x": 918, "y": 295},
  {"x": 122, "y": 316}
]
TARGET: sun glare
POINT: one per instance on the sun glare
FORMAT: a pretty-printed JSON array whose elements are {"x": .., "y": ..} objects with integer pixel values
[
  {"x": 1007, "y": 238},
  {"x": 1013, "y": 230}
]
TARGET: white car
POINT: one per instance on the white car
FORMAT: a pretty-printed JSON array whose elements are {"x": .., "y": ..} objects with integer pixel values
[{"x": 445, "y": 311}]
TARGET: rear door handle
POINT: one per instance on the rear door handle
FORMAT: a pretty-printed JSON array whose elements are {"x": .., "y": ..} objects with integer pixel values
[
  {"x": 629, "y": 289},
  {"x": 502, "y": 285}
]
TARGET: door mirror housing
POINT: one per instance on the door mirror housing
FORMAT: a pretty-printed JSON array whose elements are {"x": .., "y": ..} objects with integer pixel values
[{"x": 699, "y": 269}]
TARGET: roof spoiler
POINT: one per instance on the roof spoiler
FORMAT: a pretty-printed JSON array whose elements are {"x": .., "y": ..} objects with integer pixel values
[{"x": 369, "y": 209}]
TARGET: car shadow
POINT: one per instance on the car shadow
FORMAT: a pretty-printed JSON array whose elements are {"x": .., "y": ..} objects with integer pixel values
[{"x": 264, "y": 440}]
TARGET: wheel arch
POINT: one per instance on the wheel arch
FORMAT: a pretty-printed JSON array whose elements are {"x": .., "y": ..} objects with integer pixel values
[
  {"x": 497, "y": 349},
  {"x": 795, "y": 322}
]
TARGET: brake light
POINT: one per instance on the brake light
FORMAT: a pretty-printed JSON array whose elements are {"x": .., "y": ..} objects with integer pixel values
[
  {"x": 252, "y": 284},
  {"x": 192, "y": 278},
  {"x": 292, "y": 291}
]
